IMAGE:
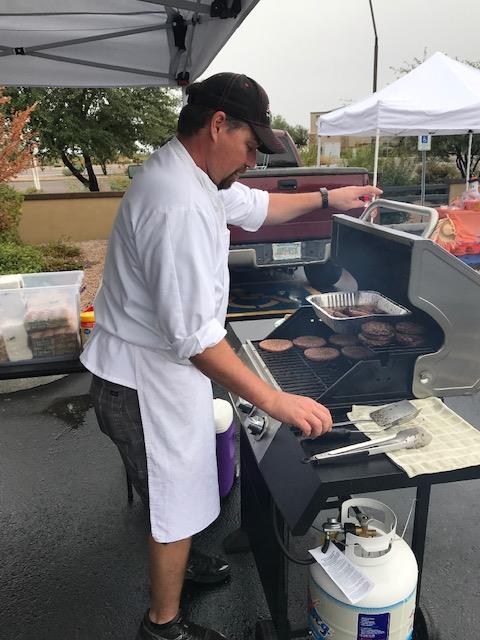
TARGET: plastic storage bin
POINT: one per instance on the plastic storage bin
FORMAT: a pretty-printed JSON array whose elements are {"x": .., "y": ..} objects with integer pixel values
[{"x": 40, "y": 320}]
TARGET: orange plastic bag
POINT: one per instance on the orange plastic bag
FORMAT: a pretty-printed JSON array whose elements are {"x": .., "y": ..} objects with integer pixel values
[{"x": 458, "y": 231}]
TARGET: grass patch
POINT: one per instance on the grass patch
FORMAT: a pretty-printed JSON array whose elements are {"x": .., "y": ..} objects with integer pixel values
[{"x": 61, "y": 256}]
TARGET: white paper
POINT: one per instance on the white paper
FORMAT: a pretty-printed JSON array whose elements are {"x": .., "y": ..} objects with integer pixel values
[{"x": 351, "y": 582}]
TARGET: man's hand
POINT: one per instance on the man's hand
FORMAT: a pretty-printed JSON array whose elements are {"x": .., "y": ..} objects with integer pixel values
[
  {"x": 347, "y": 198},
  {"x": 312, "y": 418},
  {"x": 222, "y": 365}
]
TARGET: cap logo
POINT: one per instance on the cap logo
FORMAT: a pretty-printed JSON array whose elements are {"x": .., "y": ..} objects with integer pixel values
[{"x": 268, "y": 113}]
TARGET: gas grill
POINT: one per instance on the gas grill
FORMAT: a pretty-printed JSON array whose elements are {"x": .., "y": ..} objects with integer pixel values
[{"x": 443, "y": 295}]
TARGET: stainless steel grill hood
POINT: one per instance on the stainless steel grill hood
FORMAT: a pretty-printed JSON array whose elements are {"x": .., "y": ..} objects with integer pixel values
[{"x": 419, "y": 274}]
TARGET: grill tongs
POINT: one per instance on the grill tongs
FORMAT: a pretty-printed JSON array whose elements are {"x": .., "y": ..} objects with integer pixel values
[{"x": 412, "y": 438}]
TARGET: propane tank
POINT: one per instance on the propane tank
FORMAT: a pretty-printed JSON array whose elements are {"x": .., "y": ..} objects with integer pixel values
[{"x": 387, "y": 611}]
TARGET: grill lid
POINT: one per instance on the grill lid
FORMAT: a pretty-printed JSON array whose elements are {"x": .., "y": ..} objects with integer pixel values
[{"x": 420, "y": 275}]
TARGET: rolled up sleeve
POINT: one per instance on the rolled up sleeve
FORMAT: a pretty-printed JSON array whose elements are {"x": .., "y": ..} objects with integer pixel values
[
  {"x": 207, "y": 336},
  {"x": 178, "y": 254}
]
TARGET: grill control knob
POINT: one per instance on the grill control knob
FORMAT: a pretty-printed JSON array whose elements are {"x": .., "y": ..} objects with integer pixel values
[
  {"x": 256, "y": 425},
  {"x": 244, "y": 405}
]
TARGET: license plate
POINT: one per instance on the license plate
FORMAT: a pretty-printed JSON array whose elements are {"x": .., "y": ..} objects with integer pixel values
[{"x": 287, "y": 251}]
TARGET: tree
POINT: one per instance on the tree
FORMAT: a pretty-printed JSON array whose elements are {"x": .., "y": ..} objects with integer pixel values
[
  {"x": 299, "y": 134},
  {"x": 15, "y": 155},
  {"x": 446, "y": 147},
  {"x": 15, "y": 139},
  {"x": 83, "y": 126}
]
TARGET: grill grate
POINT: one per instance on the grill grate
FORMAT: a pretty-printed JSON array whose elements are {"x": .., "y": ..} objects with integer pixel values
[
  {"x": 296, "y": 374},
  {"x": 388, "y": 375}
]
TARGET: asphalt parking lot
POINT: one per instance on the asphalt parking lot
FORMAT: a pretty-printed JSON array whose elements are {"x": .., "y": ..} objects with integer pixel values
[{"x": 74, "y": 552}]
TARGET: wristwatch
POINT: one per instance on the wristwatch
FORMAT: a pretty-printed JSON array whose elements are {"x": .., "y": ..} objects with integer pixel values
[{"x": 324, "y": 194}]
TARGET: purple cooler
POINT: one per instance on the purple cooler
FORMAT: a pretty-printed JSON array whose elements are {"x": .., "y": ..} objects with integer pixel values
[{"x": 225, "y": 428}]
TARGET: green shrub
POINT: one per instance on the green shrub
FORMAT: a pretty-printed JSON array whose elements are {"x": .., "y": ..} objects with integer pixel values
[
  {"x": 361, "y": 156},
  {"x": 61, "y": 256},
  {"x": 32, "y": 190},
  {"x": 10, "y": 212},
  {"x": 438, "y": 171},
  {"x": 308, "y": 155},
  {"x": 20, "y": 258},
  {"x": 119, "y": 183},
  {"x": 398, "y": 169}
]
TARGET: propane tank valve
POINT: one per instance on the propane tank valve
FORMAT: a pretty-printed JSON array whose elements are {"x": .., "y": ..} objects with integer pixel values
[{"x": 335, "y": 530}]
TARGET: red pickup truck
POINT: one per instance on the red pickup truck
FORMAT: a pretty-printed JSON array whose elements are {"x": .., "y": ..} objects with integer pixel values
[{"x": 304, "y": 241}]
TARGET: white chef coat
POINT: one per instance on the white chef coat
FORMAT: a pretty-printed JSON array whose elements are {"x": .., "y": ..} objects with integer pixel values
[{"x": 163, "y": 300}]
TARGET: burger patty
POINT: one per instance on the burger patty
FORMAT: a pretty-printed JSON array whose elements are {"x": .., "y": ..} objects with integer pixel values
[
  {"x": 322, "y": 354},
  {"x": 410, "y": 340},
  {"x": 375, "y": 329},
  {"x": 377, "y": 341},
  {"x": 357, "y": 352},
  {"x": 343, "y": 339},
  {"x": 410, "y": 328},
  {"x": 355, "y": 312},
  {"x": 307, "y": 342},
  {"x": 275, "y": 345}
]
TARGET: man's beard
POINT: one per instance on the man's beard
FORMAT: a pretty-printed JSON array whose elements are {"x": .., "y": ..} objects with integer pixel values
[{"x": 227, "y": 182}]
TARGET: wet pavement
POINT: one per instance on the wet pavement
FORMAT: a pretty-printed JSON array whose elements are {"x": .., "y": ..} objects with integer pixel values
[{"x": 73, "y": 551}]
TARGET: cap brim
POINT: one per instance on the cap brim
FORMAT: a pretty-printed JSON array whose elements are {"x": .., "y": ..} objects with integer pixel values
[{"x": 269, "y": 143}]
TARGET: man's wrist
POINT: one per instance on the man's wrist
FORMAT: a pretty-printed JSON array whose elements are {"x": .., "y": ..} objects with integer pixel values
[{"x": 324, "y": 197}]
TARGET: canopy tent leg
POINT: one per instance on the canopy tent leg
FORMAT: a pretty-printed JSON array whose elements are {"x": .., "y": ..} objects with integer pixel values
[
  {"x": 375, "y": 161},
  {"x": 319, "y": 150},
  {"x": 469, "y": 158}
]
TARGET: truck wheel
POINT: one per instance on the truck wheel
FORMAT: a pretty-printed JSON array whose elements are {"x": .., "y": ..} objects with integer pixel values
[{"x": 322, "y": 276}]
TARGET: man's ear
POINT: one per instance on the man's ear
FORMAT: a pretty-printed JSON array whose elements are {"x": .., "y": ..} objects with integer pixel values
[{"x": 217, "y": 123}]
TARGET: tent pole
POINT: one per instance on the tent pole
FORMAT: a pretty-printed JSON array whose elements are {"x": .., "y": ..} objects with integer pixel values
[
  {"x": 375, "y": 161},
  {"x": 469, "y": 157}
]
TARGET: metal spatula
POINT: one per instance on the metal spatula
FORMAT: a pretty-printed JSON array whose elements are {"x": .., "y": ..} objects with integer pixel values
[{"x": 391, "y": 415}]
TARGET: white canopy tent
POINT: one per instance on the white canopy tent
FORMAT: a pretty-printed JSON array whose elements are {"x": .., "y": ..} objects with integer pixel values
[
  {"x": 439, "y": 97},
  {"x": 67, "y": 43}
]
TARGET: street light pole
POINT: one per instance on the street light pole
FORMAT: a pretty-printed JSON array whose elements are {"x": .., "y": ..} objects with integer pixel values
[{"x": 375, "y": 51}]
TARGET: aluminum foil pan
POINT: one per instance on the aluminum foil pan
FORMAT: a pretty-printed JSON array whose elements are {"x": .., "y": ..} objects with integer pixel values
[{"x": 341, "y": 299}]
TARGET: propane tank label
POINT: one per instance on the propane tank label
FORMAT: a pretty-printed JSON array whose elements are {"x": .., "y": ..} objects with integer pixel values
[{"x": 373, "y": 626}]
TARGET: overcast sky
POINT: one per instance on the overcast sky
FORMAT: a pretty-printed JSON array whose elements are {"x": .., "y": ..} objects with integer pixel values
[{"x": 317, "y": 55}]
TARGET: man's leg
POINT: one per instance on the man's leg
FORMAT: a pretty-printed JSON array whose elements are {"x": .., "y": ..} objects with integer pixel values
[
  {"x": 110, "y": 401},
  {"x": 119, "y": 417},
  {"x": 167, "y": 571},
  {"x": 163, "y": 621}
]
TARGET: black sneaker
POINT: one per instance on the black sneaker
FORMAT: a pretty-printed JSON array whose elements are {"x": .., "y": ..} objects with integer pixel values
[
  {"x": 203, "y": 569},
  {"x": 177, "y": 629}
]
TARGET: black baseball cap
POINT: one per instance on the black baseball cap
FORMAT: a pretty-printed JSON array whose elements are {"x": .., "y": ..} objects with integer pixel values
[{"x": 241, "y": 98}]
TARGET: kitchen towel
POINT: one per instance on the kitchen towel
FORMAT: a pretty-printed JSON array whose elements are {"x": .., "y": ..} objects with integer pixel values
[{"x": 455, "y": 443}]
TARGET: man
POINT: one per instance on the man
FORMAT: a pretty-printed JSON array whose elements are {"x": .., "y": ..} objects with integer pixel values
[{"x": 160, "y": 337}]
